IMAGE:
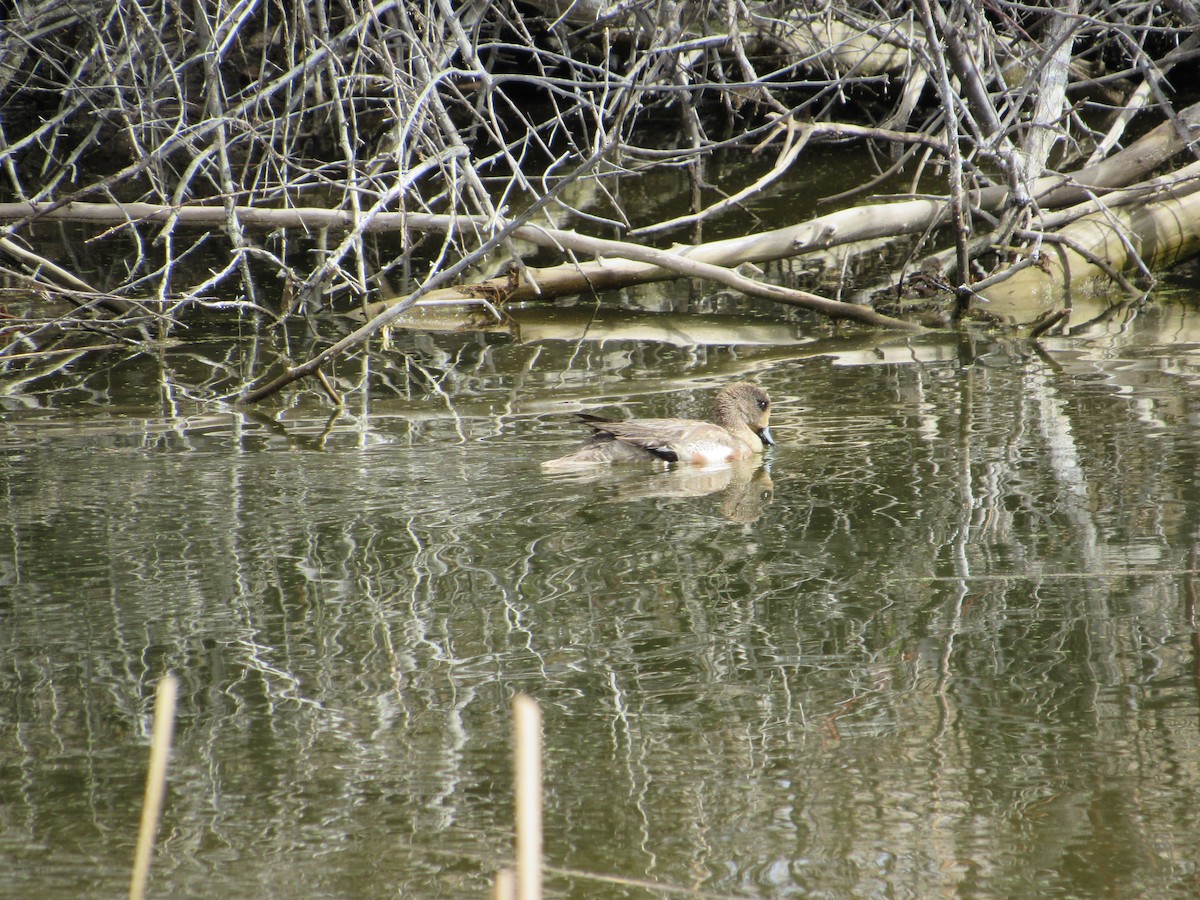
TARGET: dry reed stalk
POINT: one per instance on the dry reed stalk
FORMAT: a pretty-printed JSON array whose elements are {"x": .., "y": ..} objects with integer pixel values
[
  {"x": 505, "y": 885},
  {"x": 156, "y": 782},
  {"x": 527, "y": 726}
]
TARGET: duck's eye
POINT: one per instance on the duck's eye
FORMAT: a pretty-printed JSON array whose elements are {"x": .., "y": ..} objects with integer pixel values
[{"x": 764, "y": 404}]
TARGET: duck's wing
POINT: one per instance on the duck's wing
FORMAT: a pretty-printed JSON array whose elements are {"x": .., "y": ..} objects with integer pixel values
[
  {"x": 669, "y": 439},
  {"x": 599, "y": 449}
]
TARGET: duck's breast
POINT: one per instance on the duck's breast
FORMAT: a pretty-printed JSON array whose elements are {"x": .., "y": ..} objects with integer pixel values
[{"x": 719, "y": 449}]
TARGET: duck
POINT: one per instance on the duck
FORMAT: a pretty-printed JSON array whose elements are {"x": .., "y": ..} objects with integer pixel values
[{"x": 739, "y": 430}]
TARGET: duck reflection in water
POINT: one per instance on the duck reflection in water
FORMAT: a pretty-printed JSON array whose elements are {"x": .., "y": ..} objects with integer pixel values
[{"x": 745, "y": 487}]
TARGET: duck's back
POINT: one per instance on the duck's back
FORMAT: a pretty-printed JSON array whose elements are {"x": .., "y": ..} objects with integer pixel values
[{"x": 675, "y": 440}]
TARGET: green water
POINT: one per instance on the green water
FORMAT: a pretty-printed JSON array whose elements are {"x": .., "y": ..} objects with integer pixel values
[{"x": 943, "y": 643}]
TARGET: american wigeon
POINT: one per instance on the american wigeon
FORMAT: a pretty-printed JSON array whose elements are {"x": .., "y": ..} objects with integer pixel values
[{"x": 738, "y": 430}]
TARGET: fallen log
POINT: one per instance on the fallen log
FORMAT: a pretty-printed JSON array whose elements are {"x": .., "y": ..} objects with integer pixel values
[{"x": 1085, "y": 253}]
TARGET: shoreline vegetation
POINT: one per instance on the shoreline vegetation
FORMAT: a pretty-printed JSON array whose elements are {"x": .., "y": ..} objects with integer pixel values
[{"x": 364, "y": 158}]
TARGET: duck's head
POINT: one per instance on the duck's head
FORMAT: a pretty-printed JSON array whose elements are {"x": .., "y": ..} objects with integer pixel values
[{"x": 744, "y": 405}]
